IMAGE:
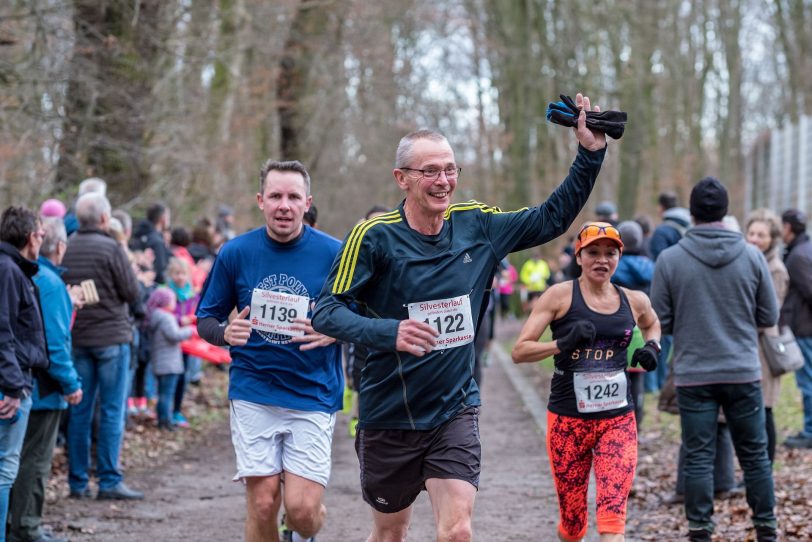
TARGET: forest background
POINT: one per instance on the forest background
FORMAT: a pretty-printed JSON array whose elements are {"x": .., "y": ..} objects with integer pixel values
[{"x": 182, "y": 100}]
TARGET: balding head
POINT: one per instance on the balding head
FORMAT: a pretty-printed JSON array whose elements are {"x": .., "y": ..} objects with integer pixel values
[
  {"x": 91, "y": 210},
  {"x": 93, "y": 184}
]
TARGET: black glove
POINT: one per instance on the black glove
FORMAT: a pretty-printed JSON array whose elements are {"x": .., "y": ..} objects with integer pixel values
[
  {"x": 646, "y": 356},
  {"x": 565, "y": 113},
  {"x": 582, "y": 332}
]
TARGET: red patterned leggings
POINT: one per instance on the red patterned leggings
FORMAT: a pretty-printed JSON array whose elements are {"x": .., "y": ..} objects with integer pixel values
[{"x": 574, "y": 445}]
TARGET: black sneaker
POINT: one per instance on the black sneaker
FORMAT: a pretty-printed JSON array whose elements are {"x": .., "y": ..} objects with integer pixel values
[
  {"x": 119, "y": 492},
  {"x": 727, "y": 494},
  {"x": 48, "y": 537},
  {"x": 699, "y": 535},
  {"x": 798, "y": 441},
  {"x": 765, "y": 534},
  {"x": 80, "y": 494}
]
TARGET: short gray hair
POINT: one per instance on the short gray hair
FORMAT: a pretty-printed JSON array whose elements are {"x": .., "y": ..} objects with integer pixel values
[
  {"x": 54, "y": 228},
  {"x": 125, "y": 219},
  {"x": 91, "y": 207},
  {"x": 403, "y": 156},
  {"x": 93, "y": 184},
  {"x": 276, "y": 165}
]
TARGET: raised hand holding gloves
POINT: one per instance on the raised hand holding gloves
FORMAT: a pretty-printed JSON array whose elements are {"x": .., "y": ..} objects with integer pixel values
[
  {"x": 565, "y": 113},
  {"x": 582, "y": 332}
]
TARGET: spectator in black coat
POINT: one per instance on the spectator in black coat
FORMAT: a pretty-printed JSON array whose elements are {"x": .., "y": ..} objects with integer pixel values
[
  {"x": 150, "y": 235},
  {"x": 22, "y": 337}
]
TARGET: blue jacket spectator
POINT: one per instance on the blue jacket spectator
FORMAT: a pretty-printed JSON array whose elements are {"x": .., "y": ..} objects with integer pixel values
[
  {"x": 634, "y": 270},
  {"x": 56, "y": 310},
  {"x": 675, "y": 223}
]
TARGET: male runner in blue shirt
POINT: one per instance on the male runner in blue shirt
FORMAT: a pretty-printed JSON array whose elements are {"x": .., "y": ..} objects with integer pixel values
[
  {"x": 417, "y": 278},
  {"x": 286, "y": 381}
]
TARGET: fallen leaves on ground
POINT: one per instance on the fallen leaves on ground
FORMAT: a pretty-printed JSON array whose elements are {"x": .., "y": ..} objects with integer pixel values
[
  {"x": 650, "y": 518},
  {"x": 145, "y": 445}
]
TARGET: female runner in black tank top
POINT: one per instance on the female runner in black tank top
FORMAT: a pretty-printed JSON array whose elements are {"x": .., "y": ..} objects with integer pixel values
[{"x": 590, "y": 419}]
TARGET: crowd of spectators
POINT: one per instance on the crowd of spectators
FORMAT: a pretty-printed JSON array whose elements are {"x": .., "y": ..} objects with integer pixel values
[{"x": 94, "y": 309}]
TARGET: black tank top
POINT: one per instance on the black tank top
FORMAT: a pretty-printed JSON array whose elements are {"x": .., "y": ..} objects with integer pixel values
[{"x": 599, "y": 369}]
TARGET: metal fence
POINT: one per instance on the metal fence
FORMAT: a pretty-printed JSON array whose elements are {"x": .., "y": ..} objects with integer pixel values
[{"x": 778, "y": 169}]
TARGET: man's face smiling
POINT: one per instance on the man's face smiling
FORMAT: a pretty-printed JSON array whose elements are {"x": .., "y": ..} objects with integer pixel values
[
  {"x": 283, "y": 202},
  {"x": 423, "y": 196}
]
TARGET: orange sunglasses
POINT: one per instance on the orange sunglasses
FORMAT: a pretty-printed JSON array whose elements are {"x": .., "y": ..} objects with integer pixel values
[{"x": 592, "y": 231}]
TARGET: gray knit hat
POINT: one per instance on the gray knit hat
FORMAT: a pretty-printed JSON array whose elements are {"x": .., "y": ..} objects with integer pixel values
[{"x": 632, "y": 235}]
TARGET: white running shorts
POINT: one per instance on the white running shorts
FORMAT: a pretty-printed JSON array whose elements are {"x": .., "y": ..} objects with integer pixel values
[{"x": 268, "y": 440}]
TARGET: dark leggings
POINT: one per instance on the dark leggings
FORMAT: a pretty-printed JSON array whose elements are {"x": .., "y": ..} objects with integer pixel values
[
  {"x": 180, "y": 389},
  {"x": 139, "y": 385},
  {"x": 770, "y": 425}
]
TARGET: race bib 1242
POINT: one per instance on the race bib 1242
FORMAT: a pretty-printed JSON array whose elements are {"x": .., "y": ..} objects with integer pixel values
[{"x": 597, "y": 392}]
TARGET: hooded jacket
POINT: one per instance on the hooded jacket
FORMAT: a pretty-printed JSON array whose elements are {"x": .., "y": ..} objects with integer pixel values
[
  {"x": 712, "y": 291},
  {"x": 634, "y": 271},
  {"x": 675, "y": 223},
  {"x": 22, "y": 334}
]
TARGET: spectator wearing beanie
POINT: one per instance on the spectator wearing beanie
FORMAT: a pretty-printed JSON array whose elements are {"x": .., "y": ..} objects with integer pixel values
[
  {"x": 606, "y": 212},
  {"x": 52, "y": 208},
  {"x": 712, "y": 291},
  {"x": 635, "y": 270}
]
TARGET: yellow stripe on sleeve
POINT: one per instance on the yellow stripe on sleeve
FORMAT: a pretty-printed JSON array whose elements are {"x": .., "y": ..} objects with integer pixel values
[{"x": 349, "y": 256}]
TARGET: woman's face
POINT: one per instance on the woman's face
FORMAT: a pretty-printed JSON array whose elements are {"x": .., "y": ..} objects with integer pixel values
[
  {"x": 758, "y": 234},
  {"x": 599, "y": 260}
]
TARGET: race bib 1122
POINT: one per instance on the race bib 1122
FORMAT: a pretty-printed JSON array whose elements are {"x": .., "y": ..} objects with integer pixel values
[{"x": 450, "y": 317}]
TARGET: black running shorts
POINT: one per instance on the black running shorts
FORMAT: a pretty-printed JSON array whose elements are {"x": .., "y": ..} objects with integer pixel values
[{"x": 395, "y": 464}]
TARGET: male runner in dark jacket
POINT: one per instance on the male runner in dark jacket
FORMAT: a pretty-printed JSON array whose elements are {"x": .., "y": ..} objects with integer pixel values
[{"x": 420, "y": 276}]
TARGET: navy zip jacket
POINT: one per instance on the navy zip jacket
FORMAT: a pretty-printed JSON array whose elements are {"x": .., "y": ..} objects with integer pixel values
[
  {"x": 22, "y": 334},
  {"x": 384, "y": 265}
]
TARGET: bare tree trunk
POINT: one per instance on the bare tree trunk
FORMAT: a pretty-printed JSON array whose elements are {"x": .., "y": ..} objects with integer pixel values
[
  {"x": 294, "y": 74},
  {"x": 117, "y": 46},
  {"x": 730, "y": 151}
]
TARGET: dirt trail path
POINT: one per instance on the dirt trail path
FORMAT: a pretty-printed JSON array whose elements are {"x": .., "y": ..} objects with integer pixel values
[{"x": 191, "y": 496}]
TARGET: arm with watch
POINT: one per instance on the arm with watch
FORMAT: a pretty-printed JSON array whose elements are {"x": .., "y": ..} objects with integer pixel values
[{"x": 647, "y": 355}]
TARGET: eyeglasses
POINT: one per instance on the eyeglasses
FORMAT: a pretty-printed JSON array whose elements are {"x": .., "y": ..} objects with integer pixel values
[
  {"x": 593, "y": 230},
  {"x": 432, "y": 174}
]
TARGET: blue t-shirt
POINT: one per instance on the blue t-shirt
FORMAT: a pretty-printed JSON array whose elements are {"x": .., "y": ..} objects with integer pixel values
[{"x": 270, "y": 369}]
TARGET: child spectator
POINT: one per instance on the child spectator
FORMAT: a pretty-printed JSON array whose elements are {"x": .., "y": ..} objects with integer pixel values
[
  {"x": 167, "y": 358},
  {"x": 143, "y": 384},
  {"x": 187, "y": 298}
]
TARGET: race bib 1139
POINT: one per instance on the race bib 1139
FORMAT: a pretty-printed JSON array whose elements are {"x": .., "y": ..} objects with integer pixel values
[{"x": 275, "y": 312}]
